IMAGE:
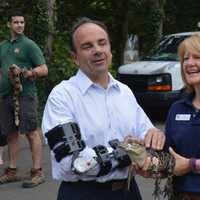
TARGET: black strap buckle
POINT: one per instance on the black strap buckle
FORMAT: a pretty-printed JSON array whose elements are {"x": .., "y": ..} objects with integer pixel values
[
  {"x": 121, "y": 156},
  {"x": 104, "y": 159}
]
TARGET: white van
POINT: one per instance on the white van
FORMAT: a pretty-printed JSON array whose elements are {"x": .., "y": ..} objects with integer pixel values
[{"x": 156, "y": 79}]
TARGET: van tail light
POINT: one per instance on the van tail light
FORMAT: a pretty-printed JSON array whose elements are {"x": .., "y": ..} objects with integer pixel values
[{"x": 159, "y": 88}]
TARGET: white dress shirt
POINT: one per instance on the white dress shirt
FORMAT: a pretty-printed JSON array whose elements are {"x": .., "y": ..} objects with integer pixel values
[{"x": 101, "y": 114}]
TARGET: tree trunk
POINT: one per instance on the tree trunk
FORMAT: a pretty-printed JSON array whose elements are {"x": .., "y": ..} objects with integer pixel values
[
  {"x": 121, "y": 31},
  {"x": 158, "y": 5},
  {"x": 51, "y": 18}
]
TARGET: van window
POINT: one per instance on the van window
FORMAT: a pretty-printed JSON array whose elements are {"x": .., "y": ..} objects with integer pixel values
[{"x": 166, "y": 49}]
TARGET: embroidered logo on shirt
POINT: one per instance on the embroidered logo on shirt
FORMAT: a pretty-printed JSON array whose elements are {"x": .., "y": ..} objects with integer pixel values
[
  {"x": 16, "y": 50},
  {"x": 183, "y": 117}
]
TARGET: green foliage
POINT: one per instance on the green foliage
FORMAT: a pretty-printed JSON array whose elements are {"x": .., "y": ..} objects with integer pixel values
[
  {"x": 151, "y": 28},
  {"x": 61, "y": 65},
  {"x": 181, "y": 15},
  {"x": 37, "y": 23},
  {"x": 4, "y": 33}
]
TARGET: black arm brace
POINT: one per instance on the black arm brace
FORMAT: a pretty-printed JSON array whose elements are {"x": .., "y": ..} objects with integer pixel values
[
  {"x": 65, "y": 140},
  {"x": 120, "y": 155},
  {"x": 105, "y": 159}
]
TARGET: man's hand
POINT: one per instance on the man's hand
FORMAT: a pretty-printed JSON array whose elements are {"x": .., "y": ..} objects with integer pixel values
[
  {"x": 29, "y": 74},
  {"x": 155, "y": 139},
  {"x": 182, "y": 165}
]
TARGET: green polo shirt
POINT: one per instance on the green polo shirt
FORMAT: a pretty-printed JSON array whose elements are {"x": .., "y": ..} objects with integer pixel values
[{"x": 25, "y": 53}]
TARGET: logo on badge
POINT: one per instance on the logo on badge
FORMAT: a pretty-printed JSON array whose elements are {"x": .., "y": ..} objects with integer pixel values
[{"x": 16, "y": 50}]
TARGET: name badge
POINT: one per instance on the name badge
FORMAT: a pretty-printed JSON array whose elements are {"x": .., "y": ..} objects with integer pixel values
[{"x": 183, "y": 117}]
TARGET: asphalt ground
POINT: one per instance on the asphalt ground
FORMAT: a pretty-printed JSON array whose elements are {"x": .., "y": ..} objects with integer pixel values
[{"x": 45, "y": 191}]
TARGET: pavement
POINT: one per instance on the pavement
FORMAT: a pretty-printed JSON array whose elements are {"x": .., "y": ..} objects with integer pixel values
[{"x": 47, "y": 190}]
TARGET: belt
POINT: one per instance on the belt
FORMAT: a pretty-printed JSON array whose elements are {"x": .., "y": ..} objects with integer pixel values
[
  {"x": 110, "y": 185},
  {"x": 188, "y": 196},
  {"x": 5, "y": 96}
]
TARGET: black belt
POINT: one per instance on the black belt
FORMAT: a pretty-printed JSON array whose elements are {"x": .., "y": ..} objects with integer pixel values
[
  {"x": 110, "y": 185},
  {"x": 4, "y": 96},
  {"x": 187, "y": 196}
]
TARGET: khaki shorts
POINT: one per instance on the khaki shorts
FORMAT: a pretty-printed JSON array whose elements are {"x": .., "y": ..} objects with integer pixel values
[{"x": 27, "y": 115}]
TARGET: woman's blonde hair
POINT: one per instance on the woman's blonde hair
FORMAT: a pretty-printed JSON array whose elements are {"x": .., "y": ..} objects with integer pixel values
[{"x": 191, "y": 45}]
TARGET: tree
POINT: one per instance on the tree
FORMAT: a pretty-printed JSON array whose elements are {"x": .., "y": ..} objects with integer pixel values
[
  {"x": 181, "y": 15},
  {"x": 51, "y": 4}
]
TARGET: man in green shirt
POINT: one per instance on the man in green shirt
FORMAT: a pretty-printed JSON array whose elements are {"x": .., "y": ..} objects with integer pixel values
[{"x": 23, "y": 52}]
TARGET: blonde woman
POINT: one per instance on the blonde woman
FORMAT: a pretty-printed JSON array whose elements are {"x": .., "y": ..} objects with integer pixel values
[{"x": 183, "y": 124}]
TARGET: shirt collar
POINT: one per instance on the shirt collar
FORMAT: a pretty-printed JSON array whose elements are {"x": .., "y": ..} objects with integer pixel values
[
  {"x": 85, "y": 83},
  {"x": 188, "y": 99},
  {"x": 113, "y": 83},
  {"x": 19, "y": 37}
]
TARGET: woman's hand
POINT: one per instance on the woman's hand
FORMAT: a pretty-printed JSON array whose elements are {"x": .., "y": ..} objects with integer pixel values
[{"x": 182, "y": 164}]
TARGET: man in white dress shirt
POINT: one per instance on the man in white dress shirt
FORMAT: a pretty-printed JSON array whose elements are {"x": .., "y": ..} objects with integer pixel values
[{"x": 104, "y": 109}]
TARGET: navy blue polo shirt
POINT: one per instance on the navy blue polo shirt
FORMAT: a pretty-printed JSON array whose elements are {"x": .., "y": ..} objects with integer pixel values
[{"x": 183, "y": 135}]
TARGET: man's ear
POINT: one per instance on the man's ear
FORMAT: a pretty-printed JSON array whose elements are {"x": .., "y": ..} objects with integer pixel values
[{"x": 74, "y": 57}]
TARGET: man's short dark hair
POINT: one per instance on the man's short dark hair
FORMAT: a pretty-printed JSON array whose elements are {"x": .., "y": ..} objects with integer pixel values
[
  {"x": 15, "y": 13},
  {"x": 80, "y": 22}
]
